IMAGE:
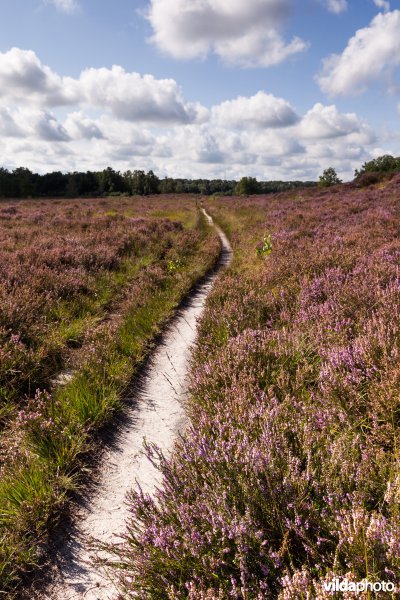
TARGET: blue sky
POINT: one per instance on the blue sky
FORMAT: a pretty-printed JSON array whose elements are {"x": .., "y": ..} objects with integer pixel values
[{"x": 276, "y": 89}]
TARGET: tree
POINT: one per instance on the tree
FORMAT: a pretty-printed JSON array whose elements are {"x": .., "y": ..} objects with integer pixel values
[
  {"x": 111, "y": 182},
  {"x": 152, "y": 184},
  {"x": 7, "y": 184},
  {"x": 329, "y": 177},
  {"x": 383, "y": 164},
  {"x": 52, "y": 184},
  {"x": 247, "y": 186},
  {"x": 25, "y": 182}
]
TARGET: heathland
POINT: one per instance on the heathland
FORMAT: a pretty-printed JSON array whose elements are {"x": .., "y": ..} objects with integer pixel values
[
  {"x": 85, "y": 286},
  {"x": 288, "y": 474}
]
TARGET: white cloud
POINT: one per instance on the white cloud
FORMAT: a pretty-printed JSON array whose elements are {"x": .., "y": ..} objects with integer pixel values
[
  {"x": 24, "y": 78},
  {"x": 8, "y": 126},
  {"x": 371, "y": 54},
  {"x": 272, "y": 145},
  {"x": 208, "y": 150},
  {"x": 127, "y": 120},
  {"x": 66, "y": 6},
  {"x": 241, "y": 32},
  {"x": 130, "y": 96},
  {"x": 40, "y": 125},
  {"x": 259, "y": 48},
  {"x": 322, "y": 137},
  {"x": 39, "y": 156},
  {"x": 47, "y": 127},
  {"x": 336, "y": 6},
  {"x": 191, "y": 151},
  {"x": 134, "y": 97},
  {"x": 326, "y": 122},
  {"x": 80, "y": 126},
  {"x": 383, "y": 4},
  {"x": 261, "y": 110}
]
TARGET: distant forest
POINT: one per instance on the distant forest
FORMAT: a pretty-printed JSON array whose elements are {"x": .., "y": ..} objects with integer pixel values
[{"x": 22, "y": 183}]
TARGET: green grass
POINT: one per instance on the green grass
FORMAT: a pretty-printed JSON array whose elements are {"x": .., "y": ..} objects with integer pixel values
[
  {"x": 187, "y": 217},
  {"x": 55, "y": 445}
]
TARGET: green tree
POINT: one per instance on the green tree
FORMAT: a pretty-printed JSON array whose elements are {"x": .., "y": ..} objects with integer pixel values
[
  {"x": 110, "y": 182},
  {"x": 7, "y": 183},
  {"x": 247, "y": 186},
  {"x": 383, "y": 164},
  {"x": 25, "y": 182},
  {"x": 329, "y": 177},
  {"x": 152, "y": 184}
]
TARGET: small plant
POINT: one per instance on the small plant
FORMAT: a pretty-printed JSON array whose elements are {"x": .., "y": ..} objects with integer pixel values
[
  {"x": 264, "y": 248},
  {"x": 174, "y": 265}
]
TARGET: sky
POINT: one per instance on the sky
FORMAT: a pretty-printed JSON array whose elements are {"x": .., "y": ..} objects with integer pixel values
[{"x": 274, "y": 89}]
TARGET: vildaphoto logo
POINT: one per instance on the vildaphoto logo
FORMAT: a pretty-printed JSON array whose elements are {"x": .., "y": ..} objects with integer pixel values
[{"x": 344, "y": 585}]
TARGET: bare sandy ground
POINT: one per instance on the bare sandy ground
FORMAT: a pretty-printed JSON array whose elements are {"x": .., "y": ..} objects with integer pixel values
[{"x": 156, "y": 414}]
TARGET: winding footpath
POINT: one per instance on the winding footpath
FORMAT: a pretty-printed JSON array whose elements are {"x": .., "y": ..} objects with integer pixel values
[{"x": 156, "y": 412}]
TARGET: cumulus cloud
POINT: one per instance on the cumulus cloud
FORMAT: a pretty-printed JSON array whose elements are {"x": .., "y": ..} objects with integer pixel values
[
  {"x": 336, "y": 6},
  {"x": 372, "y": 53},
  {"x": 39, "y": 156},
  {"x": 130, "y": 96},
  {"x": 326, "y": 122},
  {"x": 80, "y": 126},
  {"x": 241, "y": 32},
  {"x": 128, "y": 120},
  {"x": 23, "y": 77},
  {"x": 323, "y": 137},
  {"x": 208, "y": 151},
  {"x": 260, "y": 111},
  {"x": 272, "y": 145},
  {"x": 47, "y": 128},
  {"x": 41, "y": 125},
  {"x": 134, "y": 97},
  {"x": 8, "y": 126}
]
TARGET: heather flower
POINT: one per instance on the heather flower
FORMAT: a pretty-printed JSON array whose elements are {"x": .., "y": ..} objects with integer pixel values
[{"x": 287, "y": 475}]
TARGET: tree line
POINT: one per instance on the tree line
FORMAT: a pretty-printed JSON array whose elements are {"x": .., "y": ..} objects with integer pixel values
[{"x": 23, "y": 183}]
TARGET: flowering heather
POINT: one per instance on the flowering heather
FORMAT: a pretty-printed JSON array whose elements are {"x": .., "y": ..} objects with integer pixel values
[
  {"x": 289, "y": 474},
  {"x": 54, "y": 258},
  {"x": 85, "y": 285}
]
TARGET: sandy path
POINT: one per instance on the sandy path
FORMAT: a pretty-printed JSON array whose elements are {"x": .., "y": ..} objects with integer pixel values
[{"x": 155, "y": 413}]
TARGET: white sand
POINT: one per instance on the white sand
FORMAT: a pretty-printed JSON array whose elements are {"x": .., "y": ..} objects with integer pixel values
[{"x": 157, "y": 414}]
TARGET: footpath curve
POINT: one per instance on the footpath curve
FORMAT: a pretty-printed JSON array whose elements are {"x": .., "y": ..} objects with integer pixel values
[{"x": 156, "y": 412}]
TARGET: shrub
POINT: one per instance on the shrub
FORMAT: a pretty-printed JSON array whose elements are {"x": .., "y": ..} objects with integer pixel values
[{"x": 329, "y": 177}]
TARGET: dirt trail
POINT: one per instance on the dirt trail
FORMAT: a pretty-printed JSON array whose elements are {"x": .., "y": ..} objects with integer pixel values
[{"x": 155, "y": 413}]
